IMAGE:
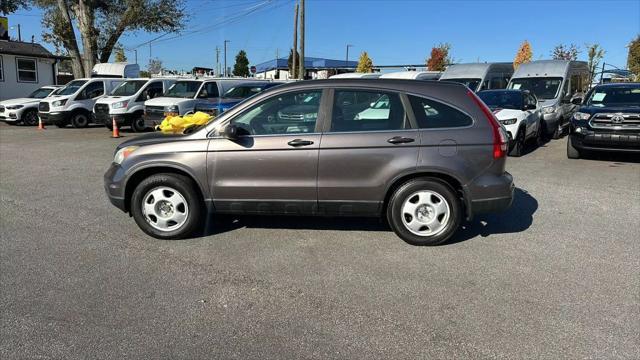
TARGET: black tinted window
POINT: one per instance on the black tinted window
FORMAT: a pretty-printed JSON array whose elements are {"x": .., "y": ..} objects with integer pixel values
[
  {"x": 360, "y": 110},
  {"x": 209, "y": 91},
  {"x": 432, "y": 114},
  {"x": 291, "y": 113},
  {"x": 92, "y": 90}
]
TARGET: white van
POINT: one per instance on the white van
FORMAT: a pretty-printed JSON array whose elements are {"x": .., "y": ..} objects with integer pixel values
[
  {"x": 413, "y": 75},
  {"x": 559, "y": 86},
  {"x": 74, "y": 104},
  {"x": 125, "y": 104},
  {"x": 480, "y": 76},
  {"x": 183, "y": 95}
]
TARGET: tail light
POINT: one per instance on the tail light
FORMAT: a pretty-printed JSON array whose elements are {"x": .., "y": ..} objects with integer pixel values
[{"x": 499, "y": 136}]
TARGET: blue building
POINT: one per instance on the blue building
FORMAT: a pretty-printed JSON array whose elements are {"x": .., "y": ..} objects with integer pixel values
[{"x": 315, "y": 68}]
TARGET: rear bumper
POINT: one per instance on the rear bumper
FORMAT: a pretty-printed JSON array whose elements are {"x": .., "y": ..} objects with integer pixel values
[
  {"x": 487, "y": 194},
  {"x": 53, "y": 117}
]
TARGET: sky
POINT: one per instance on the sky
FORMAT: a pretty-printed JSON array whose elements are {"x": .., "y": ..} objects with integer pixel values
[{"x": 392, "y": 32}]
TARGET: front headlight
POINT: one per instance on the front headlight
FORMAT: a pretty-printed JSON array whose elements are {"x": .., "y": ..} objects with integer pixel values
[
  {"x": 119, "y": 105},
  {"x": 508, "y": 121},
  {"x": 123, "y": 154},
  {"x": 14, "y": 107},
  {"x": 311, "y": 116},
  {"x": 172, "y": 108},
  {"x": 59, "y": 103},
  {"x": 581, "y": 116},
  {"x": 549, "y": 109}
]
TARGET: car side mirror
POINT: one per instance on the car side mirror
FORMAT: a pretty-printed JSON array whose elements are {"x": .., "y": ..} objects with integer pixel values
[
  {"x": 576, "y": 101},
  {"x": 230, "y": 132},
  {"x": 530, "y": 107}
]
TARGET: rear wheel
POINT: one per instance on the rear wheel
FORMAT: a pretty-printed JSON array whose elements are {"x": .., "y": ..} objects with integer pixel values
[
  {"x": 30, "y": 117},
  {"x": 424, "y": 212},
  {"x": 166, "y": 206},
  {"x": 572, "y": 152},
  {"x": 80, "y": 120}
]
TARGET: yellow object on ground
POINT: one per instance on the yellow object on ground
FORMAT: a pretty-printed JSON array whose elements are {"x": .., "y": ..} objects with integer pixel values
[{"x": 178, "y": 124}]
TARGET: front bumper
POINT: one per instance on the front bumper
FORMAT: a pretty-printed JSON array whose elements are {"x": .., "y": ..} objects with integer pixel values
[
  {"x": 53, "y": 117},
  {"x": 105, "y": 118},
  {"x": 9, "y": 117},
  {"x": 151, "y": 120},
  {"x": 606, "y": 141},
  {"x": 489, "y": 193},
  {"x": 114, "y": 186}
]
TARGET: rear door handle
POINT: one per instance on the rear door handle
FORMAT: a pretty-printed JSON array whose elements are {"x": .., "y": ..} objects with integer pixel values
[
  {"x": 300, "y": 142},
  {"x": 400, "y": 140}
]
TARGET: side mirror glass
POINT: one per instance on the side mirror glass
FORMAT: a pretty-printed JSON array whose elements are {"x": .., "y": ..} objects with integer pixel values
[{"x": 230, "y": 132}]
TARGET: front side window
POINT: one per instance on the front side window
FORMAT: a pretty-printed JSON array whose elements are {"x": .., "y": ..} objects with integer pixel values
[
  {"x": 152, "y": 90},
  {"x": 542, "y": 88},
  {"x": 209, "y": 91},
  {"x": 290, "y": 113},
  {"x": 128, "y": 88},
  {"x": 432, "y": 114},
  {"x": 71, "y": 87},
  {"x": 242, "y": 92},
  {"x": 364, "y": 110},
  {"x": 93, "y": 90},
  {"x": 27, "y": 70}
]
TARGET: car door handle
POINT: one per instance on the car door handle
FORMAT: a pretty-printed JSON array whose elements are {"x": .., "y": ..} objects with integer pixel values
[
  {"x": 400, "y": 140},
  {"x": 300, "y": 142}
]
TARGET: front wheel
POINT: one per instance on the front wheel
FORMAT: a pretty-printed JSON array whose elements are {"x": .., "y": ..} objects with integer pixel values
[
  {"x": 424, "y": 212},
  {"x": 166, "y": 206},
  {"x": 30, "y": 118},
  {"x": 518, "y": 145},
  {"x": 80, "y": 120},
  {"x": 137, "y": 124},
  {"x": 572, "y": 152},
  {"x": 559, "y": 131}
]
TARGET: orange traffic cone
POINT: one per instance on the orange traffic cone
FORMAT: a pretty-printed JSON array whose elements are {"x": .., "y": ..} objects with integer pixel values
[
  {"x": 116, "y": 133},
  {"x": 40, "y": 124}
]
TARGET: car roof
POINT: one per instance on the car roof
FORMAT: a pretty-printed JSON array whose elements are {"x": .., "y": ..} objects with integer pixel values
[
  {"x": 620, "y": 84},
  {"x": 405, "y": 85},
  {"x": 504, "y": 90}
]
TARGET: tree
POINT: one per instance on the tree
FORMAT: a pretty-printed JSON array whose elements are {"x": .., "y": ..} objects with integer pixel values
[
  {"x": 241, "y": 67},
  {"x": 439, "y": 58},
  {"x": 155, "y": 66},
  {"x": 10, "y": 6},
  {"x": 523, "y": 55},
  {"x": 365, "y": 64},
  {"x": 145, "y": 74},
  {"x": 290, "y": 63},
  {"x": 120, "y": 56},
  {"x": 633, "y": 58},
  {"x": 100, "y": 23},
  {"x": 595, "y": 53},
  {"x": 563, "y": 52}
]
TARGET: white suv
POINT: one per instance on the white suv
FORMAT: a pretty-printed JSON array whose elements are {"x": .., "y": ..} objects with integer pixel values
[{"x": 25, "y": 110}]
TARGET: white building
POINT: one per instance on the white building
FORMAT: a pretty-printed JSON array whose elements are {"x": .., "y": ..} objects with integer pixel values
[{"x": 24, "y": 67}]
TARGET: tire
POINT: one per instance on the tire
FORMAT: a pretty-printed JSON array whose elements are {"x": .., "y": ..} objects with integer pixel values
[
  {"x": 557, "y": 133},
  {"x": 137, "y": 124},
  {"x": 61, "y": 124},
  {"x": 108, "y": 125},
  {"x": 539, "y": 139},
  {"x": 80, "y": 120},
  {"x": 30, "y": 118},
  {"x": 572, "y": 152},
  {"x": 166, "y": 206},
  {"x": 518, "y": 145},
  {"x": 416, "y": 204}
]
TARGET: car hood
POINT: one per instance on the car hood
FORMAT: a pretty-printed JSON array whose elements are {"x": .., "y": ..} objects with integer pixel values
[
  {"x": 613, "y": 109},
  {"x": 20, "y": 101},
  {"x": 166, "y": 101},
  {"x": 502, "y": 114},
  {"x": 547, "y": 102},
  {"x": 112, "y": 99},
  {"x": 56, "y": 98},
  {"x": 152, "y": 138}
]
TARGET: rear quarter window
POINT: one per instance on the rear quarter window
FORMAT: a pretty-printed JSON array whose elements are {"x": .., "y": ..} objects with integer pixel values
[{"x": 431, "y": 114}]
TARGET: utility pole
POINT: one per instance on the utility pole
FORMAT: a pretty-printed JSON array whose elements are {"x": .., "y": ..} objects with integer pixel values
[
  {"x": 294, "y": 59},
  {"x": 346, "y": 63},
  {"x": 225, "y": 57},
  {"x": 136, "y": 52},
  {"x": 19, "y": 33},
  {"x": 217, "y": 61},
  {"x": 301, "y": 39}
]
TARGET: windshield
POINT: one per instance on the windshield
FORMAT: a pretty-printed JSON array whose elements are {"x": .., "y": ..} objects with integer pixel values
[
  {"x": 40, "y": 93},
  {"x": 542, "y": 88},
  {"x": 128, "y": 88},
  {"x": 243, "y": 91},
  {"x": 183, "y": 89},
  {"x": 471, "y": 83},
  {"x": 72, "y": 87},
  {"x": 603, "y": 96},
  {"x": 502, "y": 99}
]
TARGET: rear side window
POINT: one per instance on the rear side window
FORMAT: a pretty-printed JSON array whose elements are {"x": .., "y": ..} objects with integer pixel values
[
  {"x": 360, "y": 110},
  {"x": 432, "y": 114}
]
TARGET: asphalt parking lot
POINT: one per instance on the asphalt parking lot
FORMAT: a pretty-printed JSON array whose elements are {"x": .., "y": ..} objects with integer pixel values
[{"x": 558, "y": 276}]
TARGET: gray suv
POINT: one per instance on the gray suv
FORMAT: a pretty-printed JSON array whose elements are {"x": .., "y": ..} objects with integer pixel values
[{"x": 424, "y": 155}]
